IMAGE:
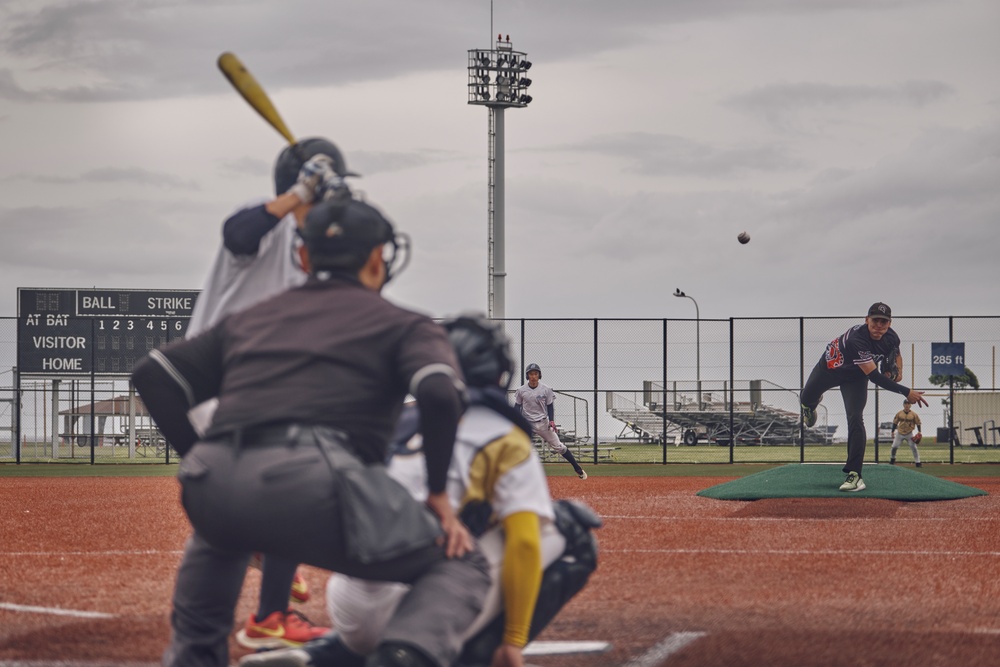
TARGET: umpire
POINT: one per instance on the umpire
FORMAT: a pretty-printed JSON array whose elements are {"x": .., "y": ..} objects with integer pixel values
[{"x": 310, "y": 384}]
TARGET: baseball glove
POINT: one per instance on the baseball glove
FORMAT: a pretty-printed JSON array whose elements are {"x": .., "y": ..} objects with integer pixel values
[
  {"x": 917, "y": 437},
  {"x": 889, "y": 367}
]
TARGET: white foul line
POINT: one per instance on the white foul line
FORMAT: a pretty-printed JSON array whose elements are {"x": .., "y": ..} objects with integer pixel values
[
  {"x": 793, "y": 519},
  {"x": 782, "y": 519},
  {"x": 808, "y": 552},
  {"x": 664, "y": 649},
  {"x": 76, "y": 663},
  {"x": 54, "y": 611},
  {"x": 136, "y": 552}
]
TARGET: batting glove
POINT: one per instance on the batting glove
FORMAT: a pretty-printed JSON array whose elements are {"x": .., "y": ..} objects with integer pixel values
[
  {"x": 308, "y": 186},
  {"x": 552, "y": 427},
  {"x": 333, "y": 186}
]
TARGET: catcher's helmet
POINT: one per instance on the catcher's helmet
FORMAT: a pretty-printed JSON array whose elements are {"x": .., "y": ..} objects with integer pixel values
[
  {"x": 533, "y": 367},
  {"x": 340, "y": 234},
  {"x": 483, "y": 350},
  {"x": 290, "y": 161}
]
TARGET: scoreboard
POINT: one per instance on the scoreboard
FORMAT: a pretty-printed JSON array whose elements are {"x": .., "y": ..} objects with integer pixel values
[{"x": 100, "y": 331}]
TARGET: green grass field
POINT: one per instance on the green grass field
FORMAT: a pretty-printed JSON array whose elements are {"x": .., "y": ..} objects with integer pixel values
[
  {"x": 638, "y": 455},
  {"x": 553, "y": 469},
  {"x": 612, "y": 452}
]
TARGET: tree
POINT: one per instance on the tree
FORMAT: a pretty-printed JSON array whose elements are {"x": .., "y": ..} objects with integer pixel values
[{"x": 966, "y": 379}]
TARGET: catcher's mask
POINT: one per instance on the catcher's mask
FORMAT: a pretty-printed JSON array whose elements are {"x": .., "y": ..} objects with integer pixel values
[
  {"x": 340, "y": 234},
  {"x": 483, "y": 350},
  {"x": 290, "y": 161}
]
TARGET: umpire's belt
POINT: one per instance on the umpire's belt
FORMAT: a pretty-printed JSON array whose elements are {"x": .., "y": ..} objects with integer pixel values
[{"x": 263, "y": 435}]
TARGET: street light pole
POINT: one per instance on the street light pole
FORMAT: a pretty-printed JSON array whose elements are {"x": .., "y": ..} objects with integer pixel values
[{"x": 697, "y": 315}]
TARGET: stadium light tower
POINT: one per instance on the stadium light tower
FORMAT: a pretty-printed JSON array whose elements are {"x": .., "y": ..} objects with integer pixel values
[{"x": 497, "y": 80}]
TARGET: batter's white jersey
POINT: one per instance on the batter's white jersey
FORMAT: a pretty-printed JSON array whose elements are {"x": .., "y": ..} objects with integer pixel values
[
  {"x": 237, "y": 282},
  {"x": 360, "y": 609},
  {"x": 534, "y": 402}
]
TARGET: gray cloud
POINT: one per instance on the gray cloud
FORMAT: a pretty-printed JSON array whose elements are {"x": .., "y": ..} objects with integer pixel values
[
  {"x": 366, "y": 163},
  {"x": 373, "y": 162},
  {"x": 112, "y": 175},
  {"x": 918, "y": 227},
  {"x": 111, "y": 50},
  {"x": 246, "y": 166},
  {"x": 124, "y": 237},
  {"x": 661, "y": 154},
  {"x": 775, "y": 102},
  {"x": 942, "y": 168}
]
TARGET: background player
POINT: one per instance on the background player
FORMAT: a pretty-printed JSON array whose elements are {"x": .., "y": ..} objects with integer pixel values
[
  {"x": 259, "y": 258},
  {"x": 902, "y": 427},
  {"x": 497, "y": 481},
  {"x": 850, "y": 361},
  {"x": 535, "y": 401}
]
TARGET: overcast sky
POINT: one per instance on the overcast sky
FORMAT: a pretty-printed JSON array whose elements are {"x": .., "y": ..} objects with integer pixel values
[{"x": 856, "y": 141}]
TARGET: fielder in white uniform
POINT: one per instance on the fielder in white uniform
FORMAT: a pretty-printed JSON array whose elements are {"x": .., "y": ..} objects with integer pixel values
[{"x": 535, "y": 401}]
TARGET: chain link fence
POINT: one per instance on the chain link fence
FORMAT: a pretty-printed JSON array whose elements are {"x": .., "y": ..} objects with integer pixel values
[{"x": 628, "y": 391}]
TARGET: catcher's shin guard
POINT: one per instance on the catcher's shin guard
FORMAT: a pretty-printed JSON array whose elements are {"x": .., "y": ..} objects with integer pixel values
[{"x": 561, "y": 580}]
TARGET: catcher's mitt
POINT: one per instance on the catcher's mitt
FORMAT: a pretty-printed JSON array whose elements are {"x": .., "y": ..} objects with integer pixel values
[
  {"x": 917, "y": 437},
  {"x": 889, "y": 367}
]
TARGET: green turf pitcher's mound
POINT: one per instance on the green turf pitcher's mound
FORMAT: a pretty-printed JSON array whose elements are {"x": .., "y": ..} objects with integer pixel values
[{"x": 822, "y": 481}]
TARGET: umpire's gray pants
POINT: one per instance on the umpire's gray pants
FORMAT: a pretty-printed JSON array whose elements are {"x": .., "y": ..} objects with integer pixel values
[{"x": 312, "y": 502}]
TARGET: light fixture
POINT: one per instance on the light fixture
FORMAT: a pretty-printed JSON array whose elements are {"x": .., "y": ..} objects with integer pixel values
[
  {"x": 525, "y": 65},
  {"x": 524, "y": 99},
  {"x": 697, "y": 315},
  {"x": 524, "y": 83}
]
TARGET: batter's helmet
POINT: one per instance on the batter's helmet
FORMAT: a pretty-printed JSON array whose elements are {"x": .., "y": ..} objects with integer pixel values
[
  {"x": 340, "y": 234},
  {"x": 483, "y": 350},
  {"x": 533, "y": 367},
  {"x": 290, "y": 161}
]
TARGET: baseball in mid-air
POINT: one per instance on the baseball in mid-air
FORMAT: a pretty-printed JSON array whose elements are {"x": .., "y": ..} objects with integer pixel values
[{"x": 744, "y": 238}]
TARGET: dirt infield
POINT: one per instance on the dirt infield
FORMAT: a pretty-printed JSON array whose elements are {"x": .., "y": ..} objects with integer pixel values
[{"x": 87, "y": 567}]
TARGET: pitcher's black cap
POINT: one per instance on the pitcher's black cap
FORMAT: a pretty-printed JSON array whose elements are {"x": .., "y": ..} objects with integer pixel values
[{"x": 880, "y": 310}]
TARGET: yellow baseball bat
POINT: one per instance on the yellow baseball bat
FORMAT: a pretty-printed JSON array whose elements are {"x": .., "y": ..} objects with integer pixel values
[{"x": 246, "y": 85}]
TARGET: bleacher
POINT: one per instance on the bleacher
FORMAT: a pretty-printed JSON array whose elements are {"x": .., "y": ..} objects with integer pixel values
[{"x": 684, "y": 419}]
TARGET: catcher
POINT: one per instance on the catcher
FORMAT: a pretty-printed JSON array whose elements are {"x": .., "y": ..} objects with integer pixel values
[
  {"x": 541, "y": 553},
  {"x": 902, "y": 428}
]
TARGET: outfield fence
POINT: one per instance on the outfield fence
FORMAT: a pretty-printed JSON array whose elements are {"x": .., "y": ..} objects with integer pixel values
[{"x": 628, "y": 391}]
